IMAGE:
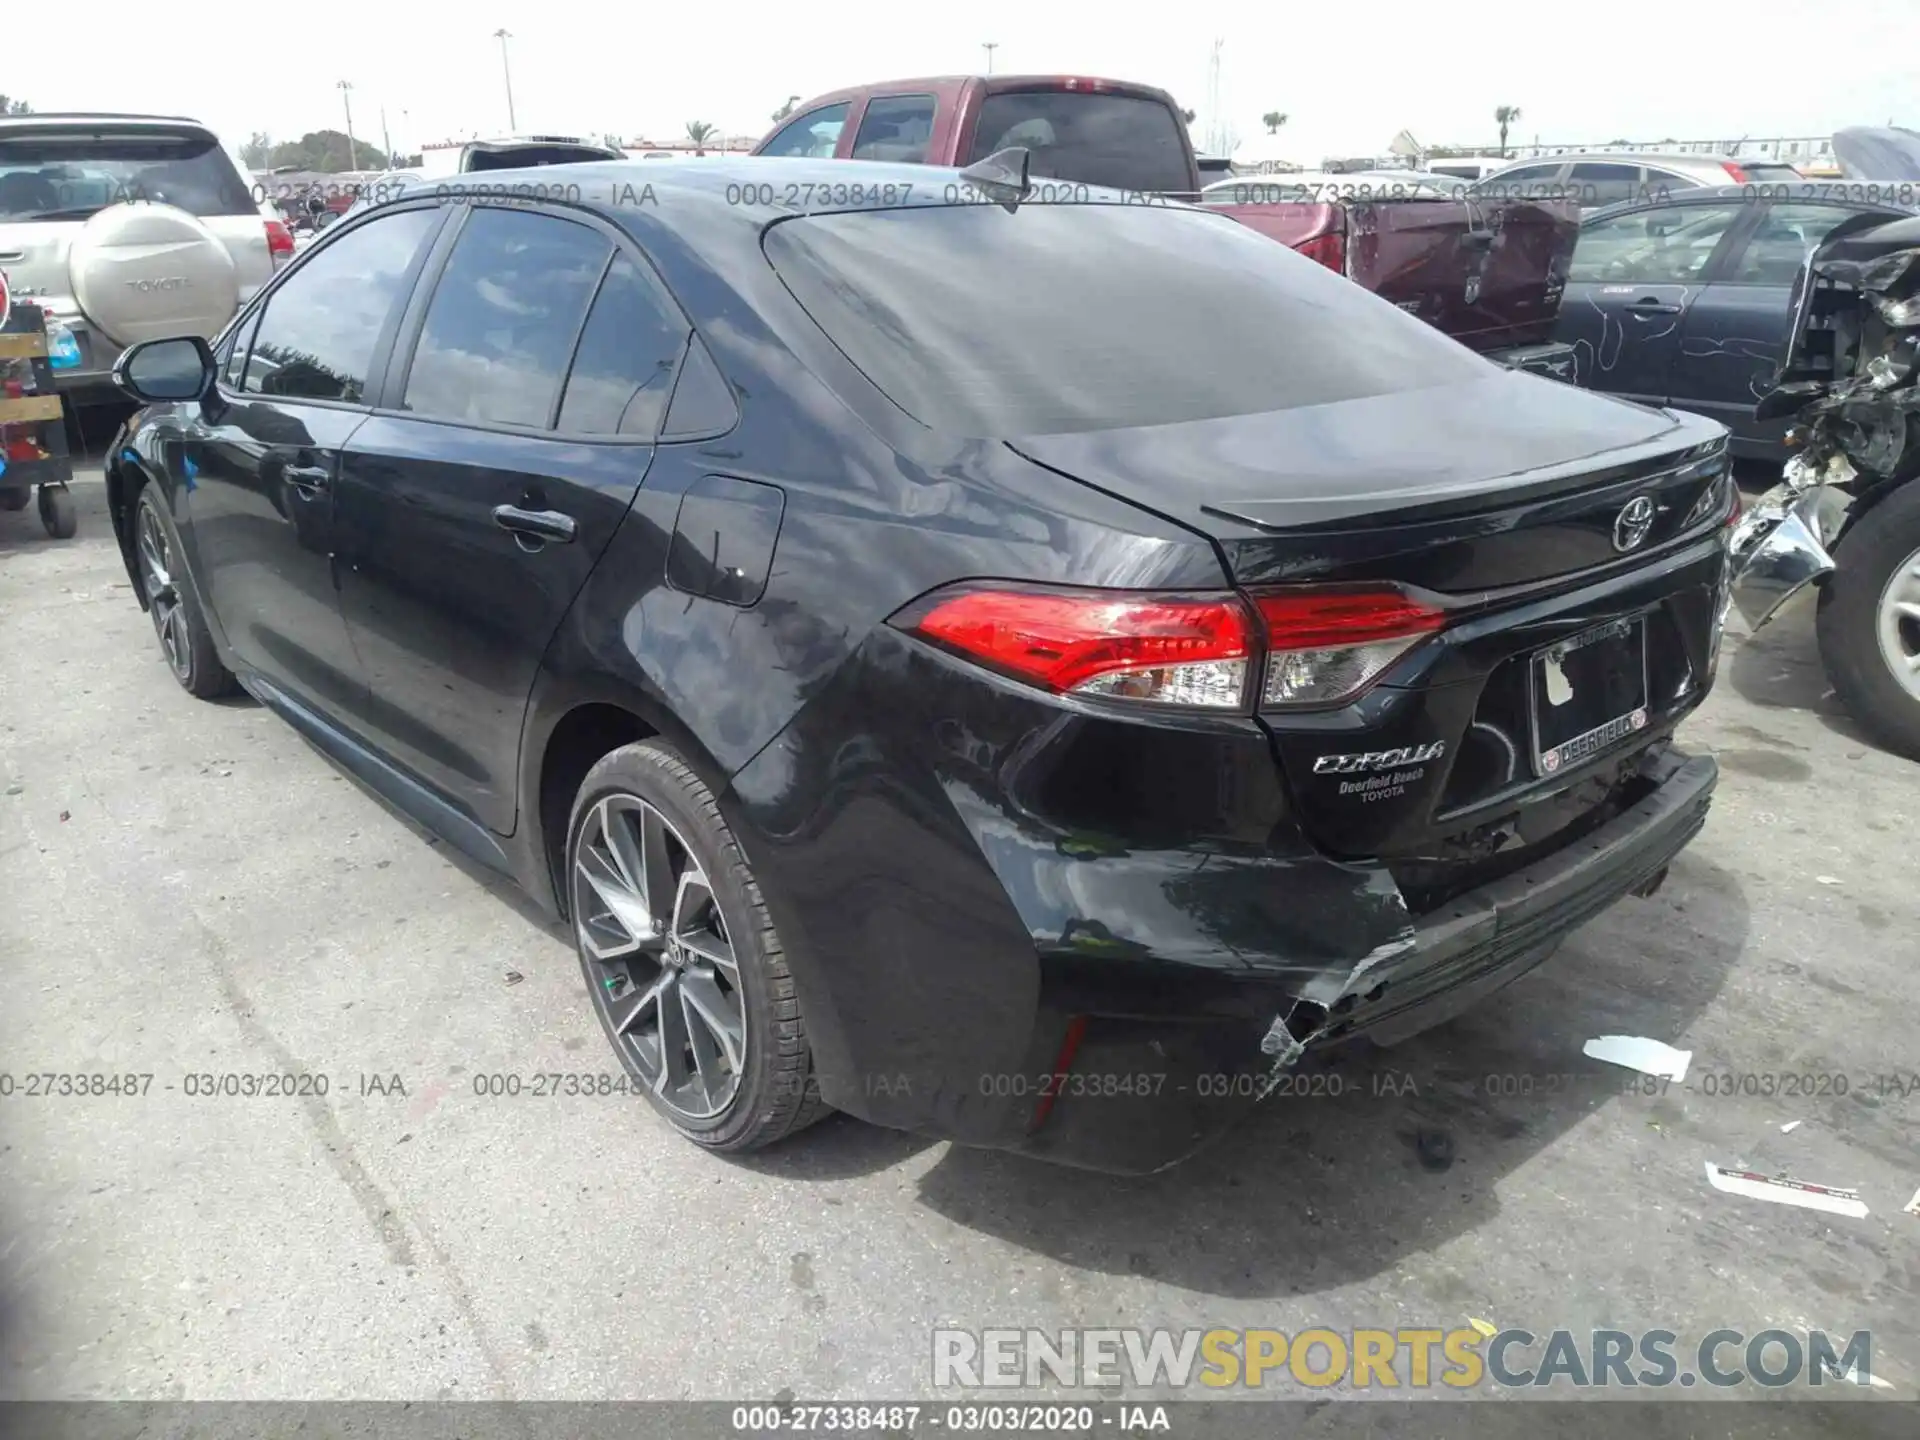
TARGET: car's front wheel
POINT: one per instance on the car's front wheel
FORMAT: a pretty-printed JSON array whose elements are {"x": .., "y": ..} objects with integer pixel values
[
  {"x": 686, "y": 971},
  {"x": 1869, "y": 621},
  {"x": 172, "y": 605}
]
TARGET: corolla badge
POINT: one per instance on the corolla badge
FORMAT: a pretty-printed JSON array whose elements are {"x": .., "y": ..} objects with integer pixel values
[
  {"x": 1378, "y": 759},
  {"x": 1631, "y": 525}
]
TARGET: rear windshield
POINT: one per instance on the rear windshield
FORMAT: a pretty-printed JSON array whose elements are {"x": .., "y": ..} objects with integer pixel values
[
  {"x": 516, "y": 157},
  {"x": 69, "y": 177},
  {"x": 1074, "y": 317},
  {"x": 1126, "y": 141}
]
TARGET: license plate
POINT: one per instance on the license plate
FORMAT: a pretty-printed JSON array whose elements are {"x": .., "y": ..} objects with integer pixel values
[{"x": 1589, "y": 693}]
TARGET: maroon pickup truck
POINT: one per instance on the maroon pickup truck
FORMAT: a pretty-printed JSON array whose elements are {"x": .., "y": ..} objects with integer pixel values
[{"x": 1488, "y": 272}]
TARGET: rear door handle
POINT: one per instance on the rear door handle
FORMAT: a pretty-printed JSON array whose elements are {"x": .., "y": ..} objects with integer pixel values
[
  {"x": 534, "y": 524},
  {"x": 1652, "y": 307}
]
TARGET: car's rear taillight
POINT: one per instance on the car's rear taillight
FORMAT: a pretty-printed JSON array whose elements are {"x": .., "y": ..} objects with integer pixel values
[
  {"x": 1330, "y": 250},
  {"x": 1328, "y": 645},
  {"x": 1734, "y": 172},
  {"x": 1163, "y": 649},
  {"x": 279, "y": 242}
]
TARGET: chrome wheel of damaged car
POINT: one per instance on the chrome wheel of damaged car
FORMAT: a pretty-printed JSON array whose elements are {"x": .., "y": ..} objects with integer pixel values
[
  {"x": 163, "y": 594},
  {"x": 645, "y": 912},
  {"x": 1898, "y": 624}
]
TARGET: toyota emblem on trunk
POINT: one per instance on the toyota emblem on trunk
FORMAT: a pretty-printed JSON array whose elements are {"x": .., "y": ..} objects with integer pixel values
[{"x": 1631, "y": 525}]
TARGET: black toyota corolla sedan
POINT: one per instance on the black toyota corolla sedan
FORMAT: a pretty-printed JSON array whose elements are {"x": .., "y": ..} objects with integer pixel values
[{"x": 1026, "y": 672}]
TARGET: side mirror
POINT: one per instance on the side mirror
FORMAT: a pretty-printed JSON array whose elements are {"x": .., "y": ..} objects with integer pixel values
[{"x": 160, "y": 371}]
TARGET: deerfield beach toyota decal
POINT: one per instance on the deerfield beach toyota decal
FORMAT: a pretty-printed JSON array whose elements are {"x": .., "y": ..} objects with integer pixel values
[{"x": 1388, "y": 772}]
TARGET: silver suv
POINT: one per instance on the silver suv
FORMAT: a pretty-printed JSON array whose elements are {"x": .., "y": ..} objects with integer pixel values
[{"x": 127, "y": 228}]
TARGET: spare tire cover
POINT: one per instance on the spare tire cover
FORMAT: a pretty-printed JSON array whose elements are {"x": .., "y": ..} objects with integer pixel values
[{"x": 142, "y": 271}]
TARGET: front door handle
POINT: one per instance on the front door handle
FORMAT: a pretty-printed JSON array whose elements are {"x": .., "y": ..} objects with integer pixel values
[
  {"x": 534, "y": 524},
  {"x": 1651, "y": 306},
  {"x": 309, "y": 480}
]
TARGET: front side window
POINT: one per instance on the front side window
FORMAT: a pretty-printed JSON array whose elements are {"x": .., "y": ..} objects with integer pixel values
[
  {"x": 233, "y": 364},
  {"x": 1666, "y": 245},
  {"x": 504, "y": 318},
  {"x": 895, "y": 127},
  {"x": 813, "y": 135},
  {"x": 982, "y": 323},
  {"x": 321, "y": 330},
  {"x": 1595, "y": 184},
  {"x": 623, "y": 371}
]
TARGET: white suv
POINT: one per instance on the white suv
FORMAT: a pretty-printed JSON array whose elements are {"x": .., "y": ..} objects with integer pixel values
[{"x": 127, "y": 228}]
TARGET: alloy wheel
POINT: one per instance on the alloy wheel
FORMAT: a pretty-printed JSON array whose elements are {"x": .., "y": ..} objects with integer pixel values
[
  {"x": 163, "y": 593},
  {"x": 666, "y": 980},
  {"x": 1898, "y": 624}
]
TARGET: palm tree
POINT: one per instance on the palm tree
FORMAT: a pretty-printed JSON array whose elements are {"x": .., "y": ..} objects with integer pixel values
[
  {"x": 1504, "y": 116},
  {"x": 1273, "y": 120},
  {"x": 785, "y": 110},
  {"x": 699, "y": 132}
]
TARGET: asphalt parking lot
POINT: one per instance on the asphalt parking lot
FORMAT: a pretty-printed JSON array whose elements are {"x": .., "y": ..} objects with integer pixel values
[{"x": 188, "y": 889}]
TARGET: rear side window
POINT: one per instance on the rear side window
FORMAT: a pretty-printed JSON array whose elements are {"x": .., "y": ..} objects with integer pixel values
[
  {"x": 982, "y": 323},
  {"x": 70, "y": 177},
  {"x": 317, "y": 338},
  {"x": 623, "y": 371},
  {"x": 815, "y": 134},
  {"x": 504, "y": 318},
  {"x": 1126, "y": 141},
  {"x": 895, "y": 127},
  {"x": 1779, "y": 246}
]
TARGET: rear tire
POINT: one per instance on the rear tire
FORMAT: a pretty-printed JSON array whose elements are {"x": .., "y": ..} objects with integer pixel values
[
  {"x": 1869, "y": 622},
  {"x": 185, "y": 642},
  {"x": 11, "y": 500},
  {"x": 665, "y": 906}
]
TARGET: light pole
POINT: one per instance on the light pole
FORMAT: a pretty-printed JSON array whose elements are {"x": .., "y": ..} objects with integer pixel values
[
  {"x": 503, "y": 35},
  {"x": 990, "y": 47},
  {"x": 346, "y": 98}
]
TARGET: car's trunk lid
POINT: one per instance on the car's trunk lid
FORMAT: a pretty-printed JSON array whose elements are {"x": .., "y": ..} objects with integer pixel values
[
  {"x": 1501, "y": 482},
  {"x": 1536, "y": 516}
]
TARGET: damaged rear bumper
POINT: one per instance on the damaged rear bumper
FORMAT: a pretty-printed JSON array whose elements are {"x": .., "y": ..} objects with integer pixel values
[{"x": 1209, "y": 1075}]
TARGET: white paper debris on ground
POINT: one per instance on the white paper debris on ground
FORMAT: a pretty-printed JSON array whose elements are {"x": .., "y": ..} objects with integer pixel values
[
  {"x": 1789, "y": 1127},
  {"x": 1852, "y": 1376},
  {"x": 1828, "y": 879},
  {"x": 1913, "y": 1205},
  {"x": 1637, "y": 1052},
  {"x": 1782, "y": 1191}
]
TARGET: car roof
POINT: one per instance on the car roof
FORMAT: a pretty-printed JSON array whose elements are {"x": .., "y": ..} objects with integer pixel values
[
  {"x": 1858, "y": 194},
  {"x": 1670, "y": 159},
  {"x": 994, "y": 84},
  {"x": 752, "y": 189},
  {"x": 82, "y": 118}
]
